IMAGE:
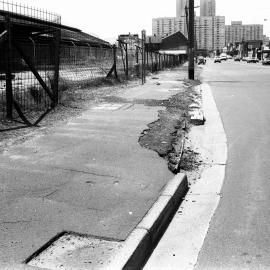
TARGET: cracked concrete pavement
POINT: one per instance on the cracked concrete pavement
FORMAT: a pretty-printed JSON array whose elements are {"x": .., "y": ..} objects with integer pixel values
[{"x": 89, "y": 175}]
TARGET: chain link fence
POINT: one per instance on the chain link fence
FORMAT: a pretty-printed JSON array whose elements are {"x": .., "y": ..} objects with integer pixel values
[
  {"x": 29, "y": 63},
  {"x": 40, "y": 59}
]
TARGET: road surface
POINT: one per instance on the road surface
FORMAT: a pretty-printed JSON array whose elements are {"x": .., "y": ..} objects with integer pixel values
[{"x": 238, "y": 237}]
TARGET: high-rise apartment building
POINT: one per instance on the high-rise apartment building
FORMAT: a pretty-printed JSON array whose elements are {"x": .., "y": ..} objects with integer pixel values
[
  {"x": 207, "y": 8},
  {"x": 203, "y": 33},
  {"x": 210, "y": 33},
  {"x": 209, "y": 29},
  {"x": 166, "y": 26},
  {"x": 180, "y": 7},
  {"x": 218, "y": 32},
  {"x": 238, "y": 32}
]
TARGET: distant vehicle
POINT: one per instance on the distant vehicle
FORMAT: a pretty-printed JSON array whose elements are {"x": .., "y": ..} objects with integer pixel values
[
  {"x": 223, "y": 57},
  {"x": 217, "y": 59},
  {"x": 252, "y": 60},
  {"x": 244, "y": 58},
  {"x": 201, "y": 60},
  {"x": 237, "y": 58},
  {"x": 266, "y": 61},
  {"x": 229, "y": 56}
]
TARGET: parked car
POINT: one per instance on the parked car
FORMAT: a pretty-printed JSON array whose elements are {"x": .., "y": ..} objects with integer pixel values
[
  {"x": 223, "y": 57},
  {"x": 217, "y": 59},
  {"x": 237, "y": 58},
  {"x": 244, "y": 58},
  {"x": 229, "y": 56},
  {"x": 252, "y": 60},
  {"x": 201, "y": 60},
  {"x": 266, "y": 61}
]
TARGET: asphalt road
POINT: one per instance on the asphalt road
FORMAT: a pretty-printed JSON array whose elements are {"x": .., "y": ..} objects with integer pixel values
[{"x": 239, "y": 233}]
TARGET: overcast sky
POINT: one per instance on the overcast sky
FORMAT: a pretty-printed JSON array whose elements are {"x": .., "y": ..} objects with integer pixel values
[{"x": 108, "y": 18}]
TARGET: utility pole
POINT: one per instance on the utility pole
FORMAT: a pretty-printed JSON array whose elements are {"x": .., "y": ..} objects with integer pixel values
[
  {"x": 143, "y": 56},
  {"x": 186, "y": 13},
  {"x": 191, "y": 41}
]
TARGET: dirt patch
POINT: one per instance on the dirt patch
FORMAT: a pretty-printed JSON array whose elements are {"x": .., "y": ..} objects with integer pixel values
[
  {"x": 190, "y": 160},
  {"x": 167, "y": 135}
]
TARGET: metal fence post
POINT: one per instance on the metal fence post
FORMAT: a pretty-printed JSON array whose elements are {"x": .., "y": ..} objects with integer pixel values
[
  {"x": 147, "y": 60},
  {"x": 115, "y": 61},
  {"x": 57, "y": 40},
  {"x": 143, "y": 56},
  {"x": 191, "y": 41},
  {"x": 114, "y": 67},
  {"x": 126, "y": 49},
  {"x": 9, "y": 94},
  {"x": 151, "y": 55},
  {"x": 163, "y": 61},
  {"x": 137, "y": 62}
]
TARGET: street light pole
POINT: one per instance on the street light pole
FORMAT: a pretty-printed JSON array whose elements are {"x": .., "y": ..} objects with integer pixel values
[{"x": 191, "y": 41}]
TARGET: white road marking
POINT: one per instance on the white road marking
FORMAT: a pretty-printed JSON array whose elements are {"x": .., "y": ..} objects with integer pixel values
[{"x": 109, "y": 106}]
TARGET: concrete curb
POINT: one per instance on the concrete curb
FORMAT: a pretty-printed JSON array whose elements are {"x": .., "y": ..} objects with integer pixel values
[
  {"x": 143, "y": 239},
  {"x": 181, "y": 243}
]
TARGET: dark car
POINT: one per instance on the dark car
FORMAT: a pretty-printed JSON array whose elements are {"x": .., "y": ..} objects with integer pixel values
[
  {"x": 252, "y": 60},
  {"x": 201, "y": 60},
  {"x": 266, "y": 61},
  {"x": 237, "y": 58}
]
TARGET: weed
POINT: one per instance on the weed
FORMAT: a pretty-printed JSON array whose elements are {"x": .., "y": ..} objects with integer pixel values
[{"x": 36, "y": 93}]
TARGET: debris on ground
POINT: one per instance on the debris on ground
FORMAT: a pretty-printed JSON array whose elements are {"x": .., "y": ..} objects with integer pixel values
[{"x": 166, "y": 136}]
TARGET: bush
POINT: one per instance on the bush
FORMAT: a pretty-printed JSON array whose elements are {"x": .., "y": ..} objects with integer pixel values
[{"x": 36, "y": 93}]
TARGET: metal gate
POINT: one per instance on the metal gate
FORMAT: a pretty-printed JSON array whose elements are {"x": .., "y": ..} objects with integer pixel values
[{"x": 29, "y": 63}]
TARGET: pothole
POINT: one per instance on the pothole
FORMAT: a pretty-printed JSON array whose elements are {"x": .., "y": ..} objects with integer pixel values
[{"x": 71, "y": 251}]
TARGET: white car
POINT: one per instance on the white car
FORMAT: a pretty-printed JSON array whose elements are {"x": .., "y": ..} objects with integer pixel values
[{"x": 223, "y": 57}]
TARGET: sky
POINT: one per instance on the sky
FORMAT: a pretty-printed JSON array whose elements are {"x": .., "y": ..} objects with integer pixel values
[{"x": 109, "y": 18}]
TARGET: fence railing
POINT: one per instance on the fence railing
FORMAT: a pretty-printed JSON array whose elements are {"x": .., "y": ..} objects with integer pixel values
[{"x": 36, "y": 65}]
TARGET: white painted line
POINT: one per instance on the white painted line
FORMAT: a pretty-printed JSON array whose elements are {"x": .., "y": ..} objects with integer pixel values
[
  {"x": 108, "y": 107},
  {"x": 180, "y": 246}
]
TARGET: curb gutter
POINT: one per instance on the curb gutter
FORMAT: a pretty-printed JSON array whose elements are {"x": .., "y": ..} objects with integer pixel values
[
  {"x": 143, "y": 239},
  {"x": 181, "y": 243}
]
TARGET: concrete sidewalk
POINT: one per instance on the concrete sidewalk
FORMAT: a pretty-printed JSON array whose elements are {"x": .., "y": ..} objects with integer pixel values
[{"x": 88, "y": 176}]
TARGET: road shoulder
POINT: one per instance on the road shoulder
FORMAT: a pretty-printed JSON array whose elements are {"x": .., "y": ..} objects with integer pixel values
[{"x": 183, "y": 240}]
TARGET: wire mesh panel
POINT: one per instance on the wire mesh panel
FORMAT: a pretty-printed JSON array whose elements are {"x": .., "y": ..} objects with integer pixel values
[
  {"x": 84, "y": 63},
  {"x": 2, "y": 85},
  {"x": 28, "y": 67},
  {"x": 129, "y": 59},
  {"x": 27, "y": 90}
]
